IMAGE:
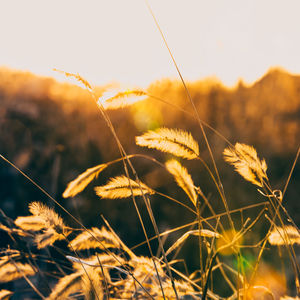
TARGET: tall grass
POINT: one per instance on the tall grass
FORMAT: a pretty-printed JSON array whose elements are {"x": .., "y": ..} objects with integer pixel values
[
  {"x": 101, "y": 266},
  {"x": 96, "y": 264}
]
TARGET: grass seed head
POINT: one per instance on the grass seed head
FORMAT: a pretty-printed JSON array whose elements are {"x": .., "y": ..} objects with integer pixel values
[
  {"x": 246, "y": 162},
  {"x": 122, "y": 187},
  {"x": 175, "y": 141}
]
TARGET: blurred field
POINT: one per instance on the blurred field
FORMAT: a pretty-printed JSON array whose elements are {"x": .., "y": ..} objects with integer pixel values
[{"x": 53, "y": 132}]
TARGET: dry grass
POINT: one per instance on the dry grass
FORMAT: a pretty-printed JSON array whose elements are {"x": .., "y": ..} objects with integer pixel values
[
  {"x": 282, "y": 236},
  {"x": 122, "y": 187},
  {"x": 183, "y": 179},
  {"x": 14, "y": 270},
  {"x": 175, "y": 141},
  {"x": 80, "y": 183},
  {"x": 115, "y": 100},
  {"x": 95, "y": 238},
  {"x": 97, "y": 264},
  {"x": 114, "y": 271},
  {"x": 67, "y": 285},
  {"x": 246, "y": 162},
  {"x": 5, "y": 294}
]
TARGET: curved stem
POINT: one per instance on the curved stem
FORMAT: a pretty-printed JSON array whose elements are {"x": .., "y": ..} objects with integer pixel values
[
  {"x": 193, "y": 116},
  {"x": 190, "y": 99},
  {"x": 176, "y": 201}
]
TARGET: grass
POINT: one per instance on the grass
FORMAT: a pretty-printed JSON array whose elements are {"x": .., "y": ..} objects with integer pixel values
[
  {"x": 114, "y": 271},
  {"x": 96, "y": 264}
]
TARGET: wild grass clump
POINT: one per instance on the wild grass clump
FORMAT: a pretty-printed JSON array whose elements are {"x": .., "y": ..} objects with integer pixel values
[
  {"x": 97, "y": 264},
  {"x": 60, "y": 261}
]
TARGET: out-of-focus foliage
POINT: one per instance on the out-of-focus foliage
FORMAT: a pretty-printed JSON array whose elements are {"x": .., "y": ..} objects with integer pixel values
[{"x": 54, "y": 132}]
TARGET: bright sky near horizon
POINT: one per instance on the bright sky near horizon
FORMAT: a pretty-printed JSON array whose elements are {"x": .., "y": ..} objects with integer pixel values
[{"x": 116, "y": 40}]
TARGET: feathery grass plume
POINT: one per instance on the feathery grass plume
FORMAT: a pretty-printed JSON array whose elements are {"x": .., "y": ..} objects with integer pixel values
[
  {"x": 107, "y": 262},
  {"x": 53, "y": 223},
  {"x": 119, "y": 187},
  {"x": 175, "y": 141},
  {"x": 79, "y": 184},
  {"x": 181, "y": 240},
  {"x": 183, "y": 179},
  {"x": 66, "y": 285},
  {"x": 92, "y": 285},
  {"x": 144, "y": 266},
  {"x": 5, "y": 294},
  {"x": 48, "y": 215},
  {"x": 283, "y": 236},
  {"x": 90, "y": 239},
  {"x": 246, "y": 162},
  {"x": 93, "y": 261},
  {"x": 113, "y": 100},
  {"x": 146, "y": 274},
  {"x": 77, "y": 77},
  {"x": 48, "y": 237},
  {"x": 11, "y": 271},
  {"x": 34, "y": 223}
]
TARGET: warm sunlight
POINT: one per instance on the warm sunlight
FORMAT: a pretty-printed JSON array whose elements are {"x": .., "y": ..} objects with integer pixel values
[
  {"x": 116, "y": 40},
  {"x": 149, "y": 149}
]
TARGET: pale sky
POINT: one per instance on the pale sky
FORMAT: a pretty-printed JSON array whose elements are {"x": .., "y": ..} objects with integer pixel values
[{"x": 116, "y": 40}]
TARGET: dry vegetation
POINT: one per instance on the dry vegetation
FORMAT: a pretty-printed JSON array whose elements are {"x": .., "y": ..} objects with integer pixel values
[
  {"x": 60, "y": 261},
  {"x": 190, "y": 231}
]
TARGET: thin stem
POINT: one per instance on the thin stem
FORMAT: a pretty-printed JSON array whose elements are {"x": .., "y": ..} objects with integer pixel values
[
  {"x": 126, "y": 158},
  {"x": 27, "y": 279},
  {"x": 190, "y": 99},
  {"x": 219, "y": 190},
  {"x": 176, "y": 201},
  {"x": 68, "y": 213},
  {"x": 291, "y": 172},
  {"x": 200, "y": 240},
  {"x": 206, "y": 219},
  {"x": 193, "y": 116}
]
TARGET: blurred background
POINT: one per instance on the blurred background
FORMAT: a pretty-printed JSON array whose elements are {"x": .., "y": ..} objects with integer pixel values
[
  {"x": 53, "y": 132},
  {"x": 241, "y": 65}
]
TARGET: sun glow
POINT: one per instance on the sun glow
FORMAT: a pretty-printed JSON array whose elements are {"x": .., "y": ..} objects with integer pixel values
[{"x": 106, "y": 41}]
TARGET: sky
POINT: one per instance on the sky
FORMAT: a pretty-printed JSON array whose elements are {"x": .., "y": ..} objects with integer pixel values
[{"x": 117, "y": 40}]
